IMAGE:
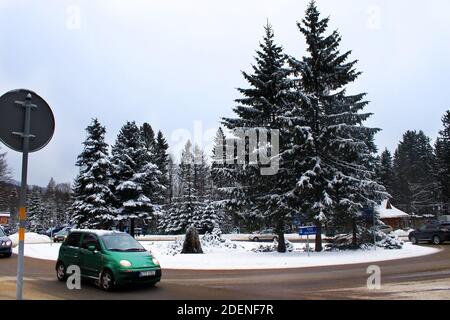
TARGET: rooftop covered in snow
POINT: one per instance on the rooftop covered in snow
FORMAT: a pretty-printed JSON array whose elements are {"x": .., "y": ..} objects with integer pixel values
[{"x": 387, "y": 211}]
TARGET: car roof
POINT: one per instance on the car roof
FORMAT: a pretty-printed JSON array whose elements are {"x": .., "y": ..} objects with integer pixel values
[{"x": 99, "y": 233}]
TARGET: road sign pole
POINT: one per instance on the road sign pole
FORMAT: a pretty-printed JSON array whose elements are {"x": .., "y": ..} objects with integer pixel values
[{"x": 23, "y": 191}]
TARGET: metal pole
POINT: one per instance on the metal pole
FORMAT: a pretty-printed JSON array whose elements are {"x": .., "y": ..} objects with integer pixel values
[{"x": 23, "y": 194}]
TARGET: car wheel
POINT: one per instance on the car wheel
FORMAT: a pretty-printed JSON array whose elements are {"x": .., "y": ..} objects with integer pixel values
[
  {"x": 8, "y": 255},
  {"x": 436, "y": 240},
  {"x": 413, "y": 240},
  {"x": 107, "y": 281},
  {"x": 61, "y": 272},
  {"x": 256, "y": 239}
]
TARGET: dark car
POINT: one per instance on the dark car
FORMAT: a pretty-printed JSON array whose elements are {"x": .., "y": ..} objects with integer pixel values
[
  {"x": 5, "y": 244},
  {"x": 52, "y": 231},
  {"x": 62, "y": 234},
  {"x": 435, "y": 233}
]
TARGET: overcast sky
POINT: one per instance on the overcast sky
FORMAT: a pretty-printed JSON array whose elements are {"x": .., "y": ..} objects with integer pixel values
[{"x": 176, "y": 64}]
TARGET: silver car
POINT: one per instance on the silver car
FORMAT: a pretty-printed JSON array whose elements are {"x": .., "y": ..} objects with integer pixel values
[{"x": 263, "y": 235}]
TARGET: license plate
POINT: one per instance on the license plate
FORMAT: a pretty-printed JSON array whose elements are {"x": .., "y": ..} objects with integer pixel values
[{"x": 147, "y": 273}]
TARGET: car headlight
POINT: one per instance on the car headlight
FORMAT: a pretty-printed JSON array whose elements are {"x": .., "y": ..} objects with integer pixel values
[
  {"x": 125, "y": 263},
  {"x": 8, "y": 243},
  {"x": 155, "y": 261}
]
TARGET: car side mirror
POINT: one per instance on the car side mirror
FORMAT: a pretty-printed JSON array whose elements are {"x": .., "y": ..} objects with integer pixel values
[{"x": 92, "y": 249}]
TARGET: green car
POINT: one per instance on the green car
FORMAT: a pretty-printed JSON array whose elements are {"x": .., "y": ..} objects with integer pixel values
[{"x": 110, "y": 258}]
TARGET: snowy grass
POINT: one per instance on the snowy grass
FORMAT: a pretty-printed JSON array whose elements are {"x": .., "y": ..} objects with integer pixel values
[{"x": 241, "y": 257}]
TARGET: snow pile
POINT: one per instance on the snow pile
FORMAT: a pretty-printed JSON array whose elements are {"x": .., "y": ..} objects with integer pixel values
[
  {"x": 403, "y": 233},
  {"x": 30, "y": 237}
]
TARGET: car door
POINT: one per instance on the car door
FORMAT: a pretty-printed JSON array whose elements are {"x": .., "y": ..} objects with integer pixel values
[
  {"x": 70, "y": 249},
  {"x": 90, "y": 261}
]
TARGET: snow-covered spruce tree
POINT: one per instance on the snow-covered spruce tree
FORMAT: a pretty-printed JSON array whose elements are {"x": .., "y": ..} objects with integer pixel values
[
  {"x": 184, "y": 210},
  {"x": 220, "y": 180},
  {"x": 135, "y": 178},
  {"x": 331, "y": 150},
  {"x": 148, "y": 139},
  {"x": 260, "y": 109},
  {"x": 443, "y": 164},
  {"x": 92, "y": 196},
  {"x": 35, "y": 210},
  {"x": 5, "y": 173},
  {"x": 415, "y": 189},
  {"x": 162, "y": 162}
]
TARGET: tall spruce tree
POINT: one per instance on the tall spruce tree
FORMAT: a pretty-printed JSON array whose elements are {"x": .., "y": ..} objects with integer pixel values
[
  {"x": 185, "y": 208},
  {"x": 443, "y": 164},
  {"x": 385, "y": 171},
  {"x": 415, "y": 189},
  {"x": 162, "y": 162},
  {"x": 260, "y": 109},
  {"x": 331, "y": 147},
  {"x": 35, "y": 210},
  {"x": 135, "y": 178},
  {"x": 92, "y": 194}
]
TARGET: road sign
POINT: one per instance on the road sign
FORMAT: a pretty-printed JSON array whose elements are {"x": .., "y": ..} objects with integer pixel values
[
  {"x": 26, "y": 125},
  {"x": 12, "y": 115},
  {"x": 307, "y": 231}
]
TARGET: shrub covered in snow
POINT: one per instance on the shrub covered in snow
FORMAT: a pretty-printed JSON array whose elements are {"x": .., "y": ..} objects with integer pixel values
[
  {"x": 273, "y": 247},
  {"x": 390, "y": 241}
]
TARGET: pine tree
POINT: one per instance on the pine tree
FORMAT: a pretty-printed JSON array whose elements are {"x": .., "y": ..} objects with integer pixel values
[
  {"x": 415, "y": 190},
  {"x": 5, "y": 173},
  {"x": 92, "y": 188},
  {"x": 35, "y": 216},
  {"x": 162, "y": 162},
  {"x": 185, "y": 209},
  {"x": 260, "y": 109},
  {"x": 331, "y": 147},
  {"x": 148, "y": 138},
  {"x": 385, "y": 171},
  {"x": 442, "y": 148},
  {"x": 135, "y": 177}
]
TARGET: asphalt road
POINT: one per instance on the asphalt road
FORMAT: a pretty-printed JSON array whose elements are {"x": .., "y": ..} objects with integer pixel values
[{"x": 425, "y": 277}]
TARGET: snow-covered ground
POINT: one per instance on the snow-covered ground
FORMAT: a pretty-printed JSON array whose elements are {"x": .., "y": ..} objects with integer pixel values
[{"x": 241, "y": 257}]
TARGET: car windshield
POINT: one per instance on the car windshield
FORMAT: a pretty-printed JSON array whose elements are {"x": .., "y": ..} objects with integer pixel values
[
  {"x": 2, "y": 234},
  {"x": 121, "y": 242}
]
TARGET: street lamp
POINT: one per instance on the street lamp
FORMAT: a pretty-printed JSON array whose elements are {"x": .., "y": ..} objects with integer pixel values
[{"x": 51, "y": 231}]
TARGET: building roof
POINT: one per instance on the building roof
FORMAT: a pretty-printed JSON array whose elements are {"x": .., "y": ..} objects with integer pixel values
[
  {"x": 5, "y": 214},
  {"x": 388, "y": 211}
]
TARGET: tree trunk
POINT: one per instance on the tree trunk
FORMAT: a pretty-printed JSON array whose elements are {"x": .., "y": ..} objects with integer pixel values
[
  {"x": 280, "y": 233},
  {"x": 319, "y": 246},
  {"x": 354, "y": 230},
  {"x": 281, "y": 243},
  {"x": 132, "y": 227}
]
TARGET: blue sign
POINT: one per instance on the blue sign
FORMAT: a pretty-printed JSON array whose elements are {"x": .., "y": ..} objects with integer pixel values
[{"x": 307, "y": 231}]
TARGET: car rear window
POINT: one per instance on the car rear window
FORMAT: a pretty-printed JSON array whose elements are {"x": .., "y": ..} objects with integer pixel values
[{"x": 73, "y": 239}]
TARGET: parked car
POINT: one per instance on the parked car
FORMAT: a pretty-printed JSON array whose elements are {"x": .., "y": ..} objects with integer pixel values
[
  {"x": 263, "y": 235},
  {"x": 5, "y": 244},
  {"x": 111, "y": 258},
  {"x": 435, "y": 233},
  {"x": 52, "y": 231},
  {"x": 61, "y": 235}
]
